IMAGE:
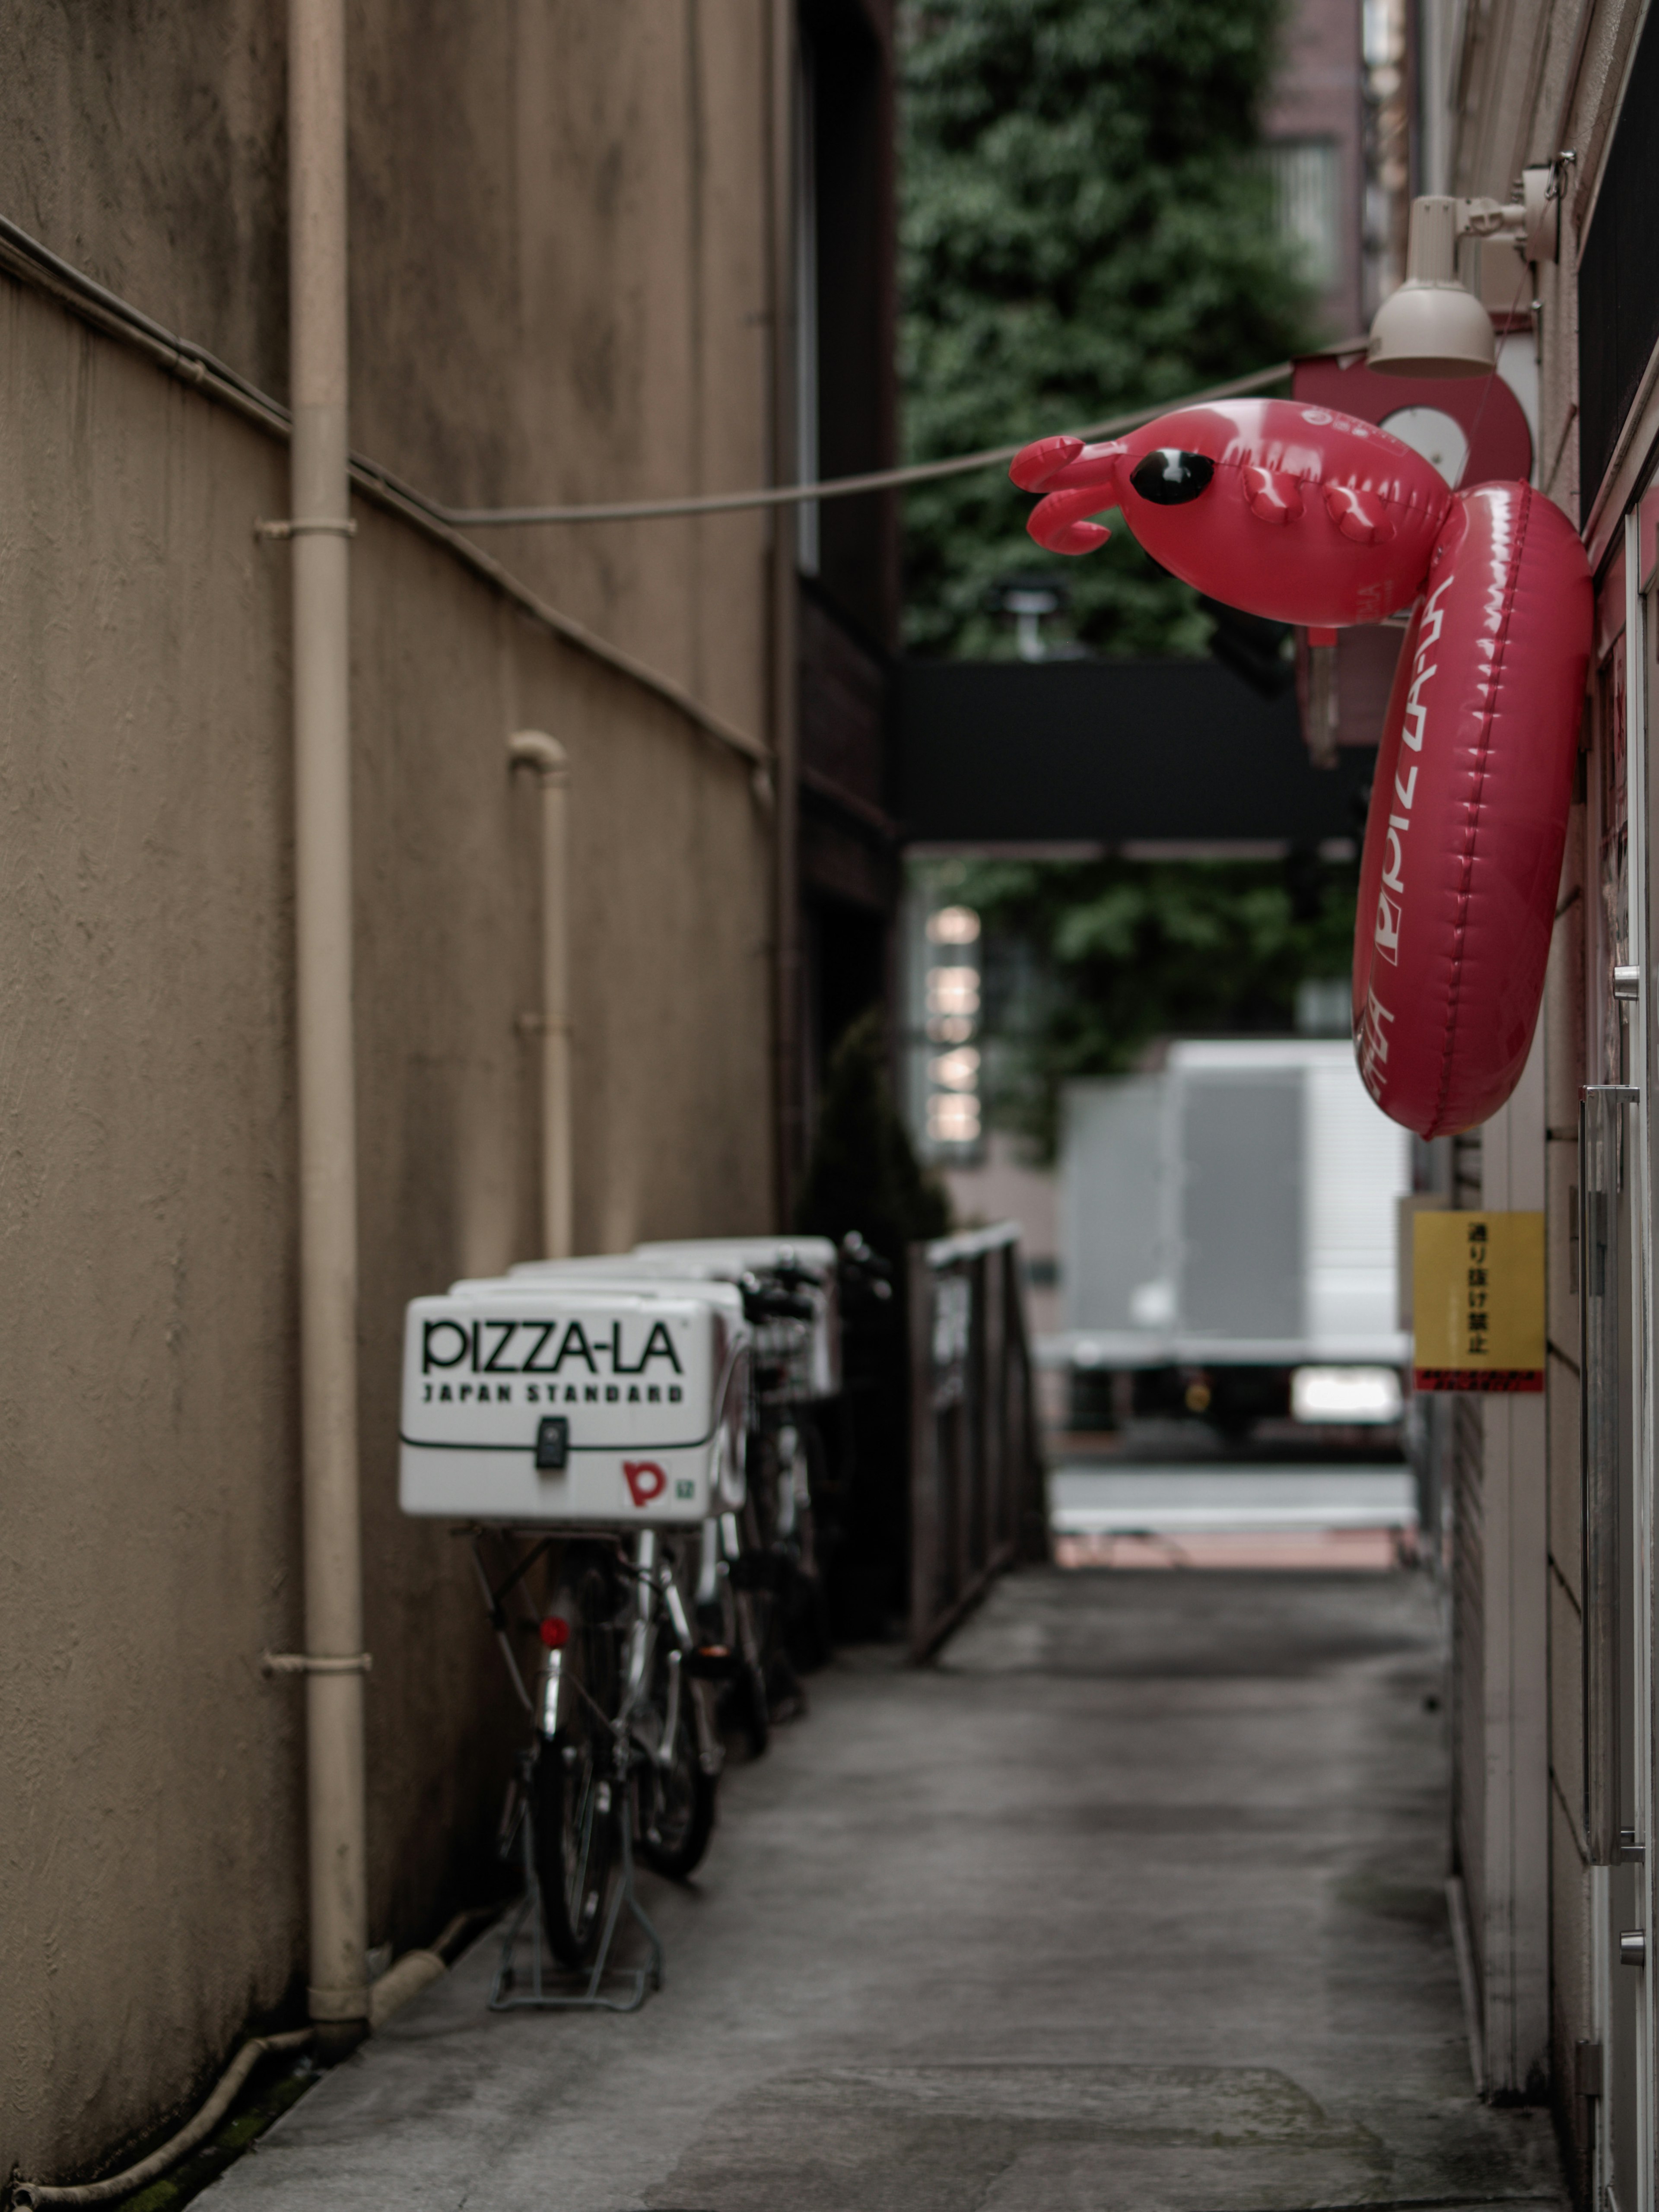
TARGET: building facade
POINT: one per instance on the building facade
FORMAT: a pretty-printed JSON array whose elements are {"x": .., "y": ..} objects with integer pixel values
[
  {"x": 1552, "y": 1528},
  {"x": 574, "y": 244}
]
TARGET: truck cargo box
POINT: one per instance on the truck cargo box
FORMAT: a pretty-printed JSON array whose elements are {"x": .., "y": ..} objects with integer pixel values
[{"x": 1236, "y": 1206}]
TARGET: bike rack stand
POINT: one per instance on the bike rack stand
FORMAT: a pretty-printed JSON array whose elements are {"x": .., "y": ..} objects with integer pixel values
[
  {"x": 575, "y": 1998},
  {"x": 589, "y": 1999}
]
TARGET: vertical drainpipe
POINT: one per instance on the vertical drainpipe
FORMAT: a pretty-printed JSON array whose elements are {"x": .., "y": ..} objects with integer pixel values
[
  {"x": 785, "y": 588},
  {"x": 534, "y": 749},
  {"x": 327, "y": 1106}
]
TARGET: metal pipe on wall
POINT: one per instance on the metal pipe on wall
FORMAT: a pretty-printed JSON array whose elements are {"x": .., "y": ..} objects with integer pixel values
[
  {"x": 784, "y": 595},
  {"x": 319, "y": 527},
  {"x": 1602, "y": 1129},
  {"x": 535, "y": 749}
]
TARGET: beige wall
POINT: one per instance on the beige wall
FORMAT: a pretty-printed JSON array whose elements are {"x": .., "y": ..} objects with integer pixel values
[
  {"x": 558, "y": 260},
  {"x": 150, "y": 1888},
  {"x": 558, "y": 248}
]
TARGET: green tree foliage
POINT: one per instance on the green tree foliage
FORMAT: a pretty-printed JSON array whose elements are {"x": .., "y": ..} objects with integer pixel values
[
  {"x": 1091, "y": 961},
  {"x": 863, "y": 1174},
  {"x": 1086, "y": 228}
]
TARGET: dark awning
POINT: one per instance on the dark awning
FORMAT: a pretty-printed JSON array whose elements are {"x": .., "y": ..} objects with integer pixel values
[{"x": 1110, "y": 753}]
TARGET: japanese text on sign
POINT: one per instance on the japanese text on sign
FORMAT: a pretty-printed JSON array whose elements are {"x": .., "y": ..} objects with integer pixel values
[
  {"x": 1477, "y": 1301},
  {"x": 1476, "y": 1279}
]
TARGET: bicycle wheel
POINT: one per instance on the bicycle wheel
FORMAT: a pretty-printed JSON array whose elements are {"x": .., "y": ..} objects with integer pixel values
[
  {"x": 572, "y": 1792},
  {"x": 746, "y": 1706},
  {"x": 673, "y": 1796},
  {"x": 804, "y": 1631}
]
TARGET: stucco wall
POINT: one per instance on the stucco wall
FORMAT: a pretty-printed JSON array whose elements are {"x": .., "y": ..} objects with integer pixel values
[
  {"x": 151, "y": 1871},
  {"x": 151, "y": 1848},
  {"x": 558, "y": 260}
]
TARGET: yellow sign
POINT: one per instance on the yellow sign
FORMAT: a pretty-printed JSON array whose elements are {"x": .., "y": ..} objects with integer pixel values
[{"x": 1477, "y": 1301}]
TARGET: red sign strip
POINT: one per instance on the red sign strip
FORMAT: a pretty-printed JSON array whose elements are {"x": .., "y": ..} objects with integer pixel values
[{"x": 1504, "y": 1380}]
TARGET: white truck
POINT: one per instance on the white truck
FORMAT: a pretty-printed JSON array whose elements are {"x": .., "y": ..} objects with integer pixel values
[{"x": 1228, "y": 1239}]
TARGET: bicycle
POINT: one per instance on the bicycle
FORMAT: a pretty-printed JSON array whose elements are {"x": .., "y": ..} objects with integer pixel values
[
  {"x": 781, "y": 1566},
  {"x": 623, "y": 1757},
  {"x": 760, "y": 1591},
  {"x": 775, "y": 1603},
  {"x": 623, "y": 1753}
]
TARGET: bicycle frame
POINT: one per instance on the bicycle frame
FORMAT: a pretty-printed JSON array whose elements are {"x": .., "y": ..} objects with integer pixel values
[{"x": 648, "y": 1560}]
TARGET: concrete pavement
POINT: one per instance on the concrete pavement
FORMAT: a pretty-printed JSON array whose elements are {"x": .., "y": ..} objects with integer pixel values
[{"x": 1133, "y": 1903}]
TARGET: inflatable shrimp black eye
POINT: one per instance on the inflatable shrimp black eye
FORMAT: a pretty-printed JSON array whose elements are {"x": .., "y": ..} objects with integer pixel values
[
  {"x": 1169, "y": 477},
  {"x": 1304, "y": 515}
]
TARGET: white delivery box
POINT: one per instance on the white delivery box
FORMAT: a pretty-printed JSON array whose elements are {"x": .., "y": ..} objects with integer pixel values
[
  {"x": 812, "y": 1255},
  {"x": 779, "y": 1258},
  {"x": 563, "y": 1404},
  {"x": 809, "y": 1350}
]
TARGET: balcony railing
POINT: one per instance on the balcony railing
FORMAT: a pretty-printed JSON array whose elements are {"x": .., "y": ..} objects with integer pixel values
[{"x": 976, "y": 1477}]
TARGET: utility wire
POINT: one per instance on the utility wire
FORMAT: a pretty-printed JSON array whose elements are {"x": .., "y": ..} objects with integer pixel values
[
  {"x": 191, "y": 357},
  {"x": 197, "y": 362},
  {"x": 731, "y": 503},
  {"x": 24, "y": 256}
]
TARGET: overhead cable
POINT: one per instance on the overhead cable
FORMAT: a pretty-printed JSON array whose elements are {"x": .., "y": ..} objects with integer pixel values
[
  {"x": 198, "y": 364},
  {"x": 732, "y": 503}
]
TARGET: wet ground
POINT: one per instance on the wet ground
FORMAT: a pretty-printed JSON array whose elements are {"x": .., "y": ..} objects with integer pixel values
[{"x": 1133, "y": 1903}]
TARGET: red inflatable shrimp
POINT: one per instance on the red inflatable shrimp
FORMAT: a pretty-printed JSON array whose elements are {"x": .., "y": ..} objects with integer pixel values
[{"x": 1305, "y": 515}]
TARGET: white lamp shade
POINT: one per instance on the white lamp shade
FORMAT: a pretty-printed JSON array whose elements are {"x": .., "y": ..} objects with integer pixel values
[
  {"x": 1433, "y": 328},
  {"x": 1432, "y": 325}
]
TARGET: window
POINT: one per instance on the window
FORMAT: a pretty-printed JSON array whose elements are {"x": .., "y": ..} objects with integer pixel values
[
  {"x": 944, "y": 1011},
  {"x": 1308, "y": 196},
  {"x": 1619, "y": 275}
]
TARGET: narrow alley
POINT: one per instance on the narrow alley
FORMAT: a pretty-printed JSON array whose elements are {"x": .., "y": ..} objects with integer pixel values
[
  {"x": 831, "y": 1106},
  {"x": 1133, "y": 1902}
]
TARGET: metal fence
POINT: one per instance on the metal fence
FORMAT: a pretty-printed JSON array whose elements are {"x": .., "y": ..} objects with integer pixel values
[{"x": 977, "y": 1485}]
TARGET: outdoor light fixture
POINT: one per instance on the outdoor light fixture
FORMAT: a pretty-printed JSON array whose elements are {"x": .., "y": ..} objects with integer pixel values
[
  {"x": 1433, "y": 326},
  {"x": 1031, "y": 600},
  {"x": 951, "y": 984}
]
